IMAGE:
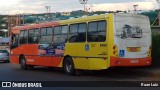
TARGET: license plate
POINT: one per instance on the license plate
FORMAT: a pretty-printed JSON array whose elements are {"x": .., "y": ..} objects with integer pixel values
[
  {"x": 134, "y": 49},
  {"x": 134, "y": 61}
]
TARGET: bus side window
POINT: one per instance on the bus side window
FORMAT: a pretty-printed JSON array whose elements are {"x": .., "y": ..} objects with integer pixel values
[
  {"x": 13, "y": 38},
  {"x": 46, "y": 35},
  {"x": 36, "y": 35},
  {"x": 33, "y": 37},
  {"x": 57, "y": 34},
  {"x": 81, "y": 32},
  {"x": 14, "y": 41},
  {"x": 64, "y": 34},
  {"x": 73, "y": 30},
  {"x": 23, "y": 36},
  {"x": 102, "y": 31},
  {"x": 97, "y": 31},
  {"x": 60, "y": 34},
  {"x": 78, "y": 32}
]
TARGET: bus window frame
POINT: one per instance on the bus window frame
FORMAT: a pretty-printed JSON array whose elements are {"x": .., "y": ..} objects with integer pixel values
[
  {"x": 13, "y": 45},
  {"x": 41, "y": 31},
  {"x": 61, "y": 32},
  {"x": 23, "y": 37},
  {"x": 54, "y": 30},
  {"x": 47, "y": 30},
  {"x": 67, "y": 30},
  {"x": 106, "y": 30},
  {"x": 40, "y": 36},
  {"x": 86, "y": 24},
  {"x": 18, "y": 38},
  {"x": 34, "y": 34},
  {"x": 70, "y": 28}
]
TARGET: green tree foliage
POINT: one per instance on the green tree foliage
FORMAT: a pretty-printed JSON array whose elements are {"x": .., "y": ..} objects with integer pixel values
[
  {"x": 155, "y": 49},
  {"x": 152, "y": 16},
  {"x": 30, "y": 19},
  {"x": 1, "y": 34},
  {"x": 3, "y": 21},
  {"x": 78, "y": 13}
]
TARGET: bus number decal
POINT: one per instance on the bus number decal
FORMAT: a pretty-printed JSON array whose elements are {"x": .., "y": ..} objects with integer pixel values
[
  {"x": 86, "y": 47},
  {"x": 122, "y": 53}
]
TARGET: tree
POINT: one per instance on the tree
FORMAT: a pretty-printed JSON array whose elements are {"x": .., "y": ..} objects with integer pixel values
[{"x": 152, "y": 16}]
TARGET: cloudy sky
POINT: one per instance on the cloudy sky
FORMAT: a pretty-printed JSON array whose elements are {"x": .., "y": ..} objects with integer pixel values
[{"x": 38, "y": 6}]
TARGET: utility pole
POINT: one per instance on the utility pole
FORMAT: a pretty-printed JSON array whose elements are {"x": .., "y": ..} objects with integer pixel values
[
  {"x": 48, "y": 8},
  {"x": 135, "y": 8},
  {"x": 84, "y": 2},
  {"x": 92, "y": 7},
  {"x": 23, "y": 21},
  {"x": 88, "y": 7},
  {"x": 48, "y": 11}
]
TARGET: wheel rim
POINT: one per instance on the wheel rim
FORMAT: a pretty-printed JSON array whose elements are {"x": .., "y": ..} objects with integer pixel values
[
  {"x": 68, "y": 67},
  {"x": 22, "y": 62}
]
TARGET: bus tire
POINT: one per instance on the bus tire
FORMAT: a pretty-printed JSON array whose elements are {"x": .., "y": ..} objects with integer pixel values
[
  {"x": 8, "y": 61},
  {"x": 30, "y": 67},
  {"x": 23, "y": 63},
  {"x": 69, "y": 66}
]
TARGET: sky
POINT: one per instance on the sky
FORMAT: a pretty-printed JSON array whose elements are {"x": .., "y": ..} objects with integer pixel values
[{"x": 38, "y": 6}]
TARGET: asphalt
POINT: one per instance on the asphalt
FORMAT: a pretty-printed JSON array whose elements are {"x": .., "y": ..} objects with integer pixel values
[{"x": 12, "y": 72}]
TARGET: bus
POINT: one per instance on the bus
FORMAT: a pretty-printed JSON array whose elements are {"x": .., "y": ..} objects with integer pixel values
[{"x": 95, "y": 42}]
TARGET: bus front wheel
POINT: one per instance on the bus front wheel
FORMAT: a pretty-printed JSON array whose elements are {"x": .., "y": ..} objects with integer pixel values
[
  {"x": 69, "y": 66},
  {"x": 23, "y": 63}
]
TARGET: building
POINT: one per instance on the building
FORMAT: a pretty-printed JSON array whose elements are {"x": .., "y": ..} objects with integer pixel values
[{"x": 4, "y": 40}]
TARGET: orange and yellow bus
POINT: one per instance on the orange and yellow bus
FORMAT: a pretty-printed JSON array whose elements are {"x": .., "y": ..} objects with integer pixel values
[{"x": 87, "y": 43}]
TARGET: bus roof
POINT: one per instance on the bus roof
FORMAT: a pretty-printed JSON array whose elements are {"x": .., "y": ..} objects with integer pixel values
[
  {"x": 27, "y": 27},
  {"x": 69, "y": 21},
  {"x": 38, "y": 25},
  {"x": 59, "y": 22},
  {"x": 85, "y": 19}
]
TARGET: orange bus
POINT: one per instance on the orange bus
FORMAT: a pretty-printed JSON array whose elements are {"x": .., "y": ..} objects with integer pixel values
[{"x": 88, "y": 43}]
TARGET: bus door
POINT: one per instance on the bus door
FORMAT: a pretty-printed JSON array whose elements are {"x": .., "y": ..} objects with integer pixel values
[
  {"x": 75, "y": 47},
  {"x": 96, "y": 46},
  {"x": 14, "y": 41}
]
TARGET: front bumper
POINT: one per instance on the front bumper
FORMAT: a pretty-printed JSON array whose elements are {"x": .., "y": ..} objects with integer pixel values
[{"x": 4, "y": 59}]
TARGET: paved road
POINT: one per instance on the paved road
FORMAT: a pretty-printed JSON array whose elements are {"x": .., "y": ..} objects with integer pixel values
[{"x": 12, "y": 72}]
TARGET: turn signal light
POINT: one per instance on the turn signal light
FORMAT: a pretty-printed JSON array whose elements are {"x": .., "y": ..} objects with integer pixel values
[
  {"x": 115, "y": 50},
  {"x": 149, "y": 51}
]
